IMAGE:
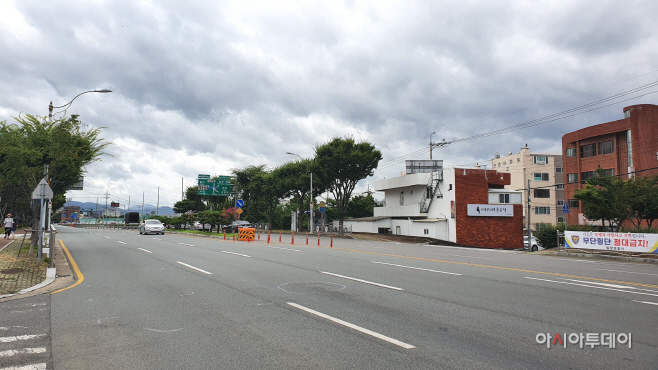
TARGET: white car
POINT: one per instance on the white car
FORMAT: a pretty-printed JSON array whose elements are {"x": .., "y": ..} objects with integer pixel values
[
  {"x": 534, "y": 247},
  {"x": 151, "y": 227}
]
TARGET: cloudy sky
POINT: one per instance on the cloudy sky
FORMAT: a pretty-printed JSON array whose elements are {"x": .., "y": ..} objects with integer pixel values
[{"x": 203, "y": 87}]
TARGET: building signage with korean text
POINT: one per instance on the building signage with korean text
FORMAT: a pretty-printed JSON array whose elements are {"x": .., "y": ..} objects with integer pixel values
[{"x": 490, "y": 210}]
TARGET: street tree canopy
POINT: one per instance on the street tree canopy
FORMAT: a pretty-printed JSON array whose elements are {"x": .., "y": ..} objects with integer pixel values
[
  {"x": 343, "y": 163},
  {"x": 65, "y": 145}
]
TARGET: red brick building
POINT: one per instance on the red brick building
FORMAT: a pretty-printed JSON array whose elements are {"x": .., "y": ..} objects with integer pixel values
[
  {"x": 626, "y": 147},
  {"x": 474, "y": 186}
]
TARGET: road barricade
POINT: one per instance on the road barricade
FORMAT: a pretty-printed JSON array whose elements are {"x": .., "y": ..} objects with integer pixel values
[{"x": 246, "y": 234}]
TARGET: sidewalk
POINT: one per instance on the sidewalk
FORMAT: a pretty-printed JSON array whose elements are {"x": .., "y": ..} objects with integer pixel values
[{"x": 21, "y": 277}]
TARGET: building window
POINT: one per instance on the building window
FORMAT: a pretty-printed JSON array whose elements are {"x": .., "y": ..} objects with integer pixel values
[
  {"x": 426, "y": 231},
  {"x": 503, "y": 198},
  {"x": 518, "y": 159},
  {"x": 572, "y": 177},
  {"x": 539, "y": 159},
  {"x": 561, "y": 219},
  {"x": 542, "y": 193},
  {"x": 606, "y": 147},
  {"x": 494, "y": 166},
  {"x": 571, "y": 152},
  {"x": 609, "y": 172},
  {"x": 574, "y": 203},
  {"x": 541, "y": 176},
  {"x": 401, "y": 198},
  {"x": 587, "y": 175},
  {"x": 560, "y": 203},
  {"x": 627, "y": 114},
  {"x": 588, "y": 150},
  {"x": 559, "y": 169},
  {"x": 559, "y": 187},
  {"x": 542, "y": 210}
]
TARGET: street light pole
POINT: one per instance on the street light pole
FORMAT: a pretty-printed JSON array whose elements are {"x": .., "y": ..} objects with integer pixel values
[
  {"x": 310, "y": 210},
  {"x": 50, "y": 107},
  {"x": 431, "y": 144}
]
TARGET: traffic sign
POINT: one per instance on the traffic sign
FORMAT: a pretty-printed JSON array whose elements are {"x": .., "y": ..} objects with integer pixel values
[
  {"x": 565, "y": 208},
  {"x": 238, "y": 211},
  {"x": 239, "y": 203},
  {"x": 220, "y": 186},
  {"x": 47, "y": 191}
]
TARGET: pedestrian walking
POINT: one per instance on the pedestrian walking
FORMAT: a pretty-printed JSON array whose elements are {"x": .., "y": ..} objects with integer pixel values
[
  {"x": 9, "y": 222},
  {"x": 13, "y": 229}
]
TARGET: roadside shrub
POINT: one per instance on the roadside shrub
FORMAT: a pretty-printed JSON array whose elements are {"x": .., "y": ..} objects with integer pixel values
[{"x": 546, "y": 234}]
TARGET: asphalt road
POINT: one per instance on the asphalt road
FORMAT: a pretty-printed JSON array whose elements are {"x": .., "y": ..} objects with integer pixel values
[{"x": 182, "y": 302}]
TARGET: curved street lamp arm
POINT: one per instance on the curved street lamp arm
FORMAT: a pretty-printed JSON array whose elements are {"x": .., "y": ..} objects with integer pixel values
[{"x": 51, "y": 107}]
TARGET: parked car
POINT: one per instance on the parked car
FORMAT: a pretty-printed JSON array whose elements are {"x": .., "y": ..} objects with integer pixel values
[
  {"x": 151, "y": 227},
  {"x": 534, "y": 246},
  {"x": 236, "y": 225},
  {"x": 196, "y": 225}
]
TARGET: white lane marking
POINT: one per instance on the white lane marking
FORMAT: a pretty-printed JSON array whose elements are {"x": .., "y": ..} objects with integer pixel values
[
  {"x": 145, "y": 250},
  {"x": 189, "y": 245},
  {"x": 120, "y": 242},
  {"x": 195, "y": 268},
  {"x": 41, "y": 366},
  {"x": 162, "y": 331},
  {"x": 653, "y": 303},
  {"x": 20, "y": 337},
  {"x": 630, "y": 272},
  {"x": 9, "y": 327},
  {"x": 237, "y": 254},
  {"x": 611, "y": 285},
  {"x": 416, "y": 268},
  {"x": 361, "y": 281},
  {"x": 157, "y": 239},
  {"x": 24, "y": 351},
  {"x": 288, "y": 249},
  {"x": 352, "y": 326},
  {"x": 592, "y": 286},
  {"x": 107, "y": 236}
]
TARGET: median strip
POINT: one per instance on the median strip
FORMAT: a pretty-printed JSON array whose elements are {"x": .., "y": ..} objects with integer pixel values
[
  {"x": 352, "y": 326},
  {"x": 361, "y": 281}
]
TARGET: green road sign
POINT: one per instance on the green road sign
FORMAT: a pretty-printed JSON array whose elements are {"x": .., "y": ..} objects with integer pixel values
[{"x": 221, "y": 185}]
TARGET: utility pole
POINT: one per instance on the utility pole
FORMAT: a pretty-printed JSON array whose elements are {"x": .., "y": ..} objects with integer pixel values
[
  {"x": 157, "y": 208},
  {"x": 106, "y": 196},
  {"x": 528, "y": 219}
]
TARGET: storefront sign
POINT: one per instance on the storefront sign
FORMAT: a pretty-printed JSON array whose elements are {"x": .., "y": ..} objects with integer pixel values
[{"x": 490, "y": 210}]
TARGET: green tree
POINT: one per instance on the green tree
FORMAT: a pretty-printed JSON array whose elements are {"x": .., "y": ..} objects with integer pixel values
[
  {"x": 361, "y": 206},
  {"x": 34, "y": 148},
  {"x": 343, "y": 163}
]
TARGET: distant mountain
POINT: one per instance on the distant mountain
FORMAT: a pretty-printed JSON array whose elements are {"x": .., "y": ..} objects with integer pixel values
[{"x": 148, "y": 209}]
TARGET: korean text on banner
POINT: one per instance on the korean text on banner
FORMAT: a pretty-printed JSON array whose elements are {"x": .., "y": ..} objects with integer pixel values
[{"x": 622, "y": 242}]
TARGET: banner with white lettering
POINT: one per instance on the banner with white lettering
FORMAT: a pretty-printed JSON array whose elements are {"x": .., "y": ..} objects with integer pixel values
[
  {"x": 490, "y": 210},
  {"x": 622, "y": 242}
]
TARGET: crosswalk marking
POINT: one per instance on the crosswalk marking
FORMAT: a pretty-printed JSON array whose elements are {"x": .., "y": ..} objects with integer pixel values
[
  {"x": 24, "y": 351},
  {"x": 20, "y": 337}
]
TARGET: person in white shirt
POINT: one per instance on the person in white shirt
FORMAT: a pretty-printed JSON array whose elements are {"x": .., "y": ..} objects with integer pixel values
[{"x": 9, "y": 222}]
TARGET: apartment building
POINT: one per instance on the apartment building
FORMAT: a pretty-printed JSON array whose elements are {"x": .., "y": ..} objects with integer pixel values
[
  {"x": 626, "y": 147},
  {"x": 543, "y": 173}
]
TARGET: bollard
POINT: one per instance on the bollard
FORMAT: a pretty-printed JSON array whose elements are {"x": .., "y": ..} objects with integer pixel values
[
  {"x": 306, "y": 238},
  {"x": 318, "y": 239},
  {"x": 224, "y": 234},
  {"x": 259, "y": 234},
  {"x": 332, "y": 241},
  {"x": 233, "y": 235},
  {"x": 268, "y": 236},
  {"x": 280, "y": 236},
  {"x": 293, "y": 238}
]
